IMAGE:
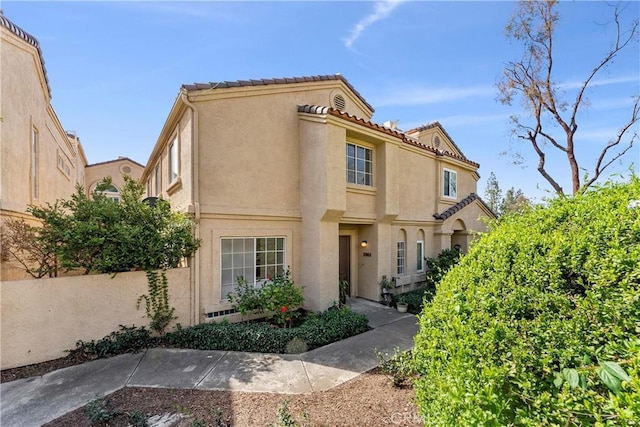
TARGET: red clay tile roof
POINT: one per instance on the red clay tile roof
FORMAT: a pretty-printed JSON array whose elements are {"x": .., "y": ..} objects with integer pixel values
[
  {"x": 315, "y": 109},
  {"x": 436, "y": 125},
  {"x": 5, "y": 22},
  {"x": 116, "y": 160},
  {"x": 264, "y": 82},
  {"x": 461, "y": 205}
]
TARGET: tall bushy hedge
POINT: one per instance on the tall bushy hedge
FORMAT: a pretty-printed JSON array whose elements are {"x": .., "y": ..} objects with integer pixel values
[
  {"x": 99, "y": 235},
  {"x": 539, "y": 324}
]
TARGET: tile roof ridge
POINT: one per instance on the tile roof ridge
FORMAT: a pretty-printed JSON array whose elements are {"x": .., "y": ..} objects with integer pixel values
[
  {"x": 115, "y": 160},
  {"x": 18, "y": 31},
  {"x": 461, "y": 205},
  {"x": 407, "y": 139},
  {"x": 437, "y": 124},
  {"x": 272, "y": 81}
]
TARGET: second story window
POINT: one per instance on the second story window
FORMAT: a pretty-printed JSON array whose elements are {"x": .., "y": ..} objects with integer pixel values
[
  {"x": 359, "y": 165},
  {"x": 35, "y": 190},
  {"x": 158, "y": 179},
  {"x": 112, "y": 193},
  {"x": 450, "y": 180},
  {"x": 173, "y": 160}
]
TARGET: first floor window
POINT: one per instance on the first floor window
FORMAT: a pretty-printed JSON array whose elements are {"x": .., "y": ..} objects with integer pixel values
[
  {"x": 359, "y": 165},
  {"x": 450, "y": 184},
  {"x": 254, "y": 259},
  {"x": 420, "y": 254},
  {"x": 400, "y": 258}
]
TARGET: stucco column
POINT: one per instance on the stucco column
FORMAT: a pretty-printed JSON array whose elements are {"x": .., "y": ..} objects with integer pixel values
[{"x": 442, "y": 240}]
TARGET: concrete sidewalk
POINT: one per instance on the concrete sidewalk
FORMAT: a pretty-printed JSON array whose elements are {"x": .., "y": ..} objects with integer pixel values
[{"x": 35, "y": 401}]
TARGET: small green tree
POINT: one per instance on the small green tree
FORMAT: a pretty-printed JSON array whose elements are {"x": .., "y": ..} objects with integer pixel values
[
  {"x": 513, "y": 201},
  {"x": 20, "y": 243},
  {"x": 493, "y": 193},
  {"x": 101, "y": 235}
]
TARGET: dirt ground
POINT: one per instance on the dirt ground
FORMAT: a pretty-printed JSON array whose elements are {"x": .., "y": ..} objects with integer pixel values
[{"x": 368, "y": 400}]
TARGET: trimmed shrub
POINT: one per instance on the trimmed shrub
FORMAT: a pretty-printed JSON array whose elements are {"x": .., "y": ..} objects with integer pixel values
[
  {"x": 416, "y": 299},
  {"x": 129, "y": 339},
  {"x": 315, "y": 331},
  {"x": 539, "y": 323},
  {"x": 258, "y": 337}
]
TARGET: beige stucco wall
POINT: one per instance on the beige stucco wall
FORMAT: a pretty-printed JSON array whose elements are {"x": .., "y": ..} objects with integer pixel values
[
  {"x": 263, "y": 169},
  {"x": 43, "y": 318},
  {"x": 115, "y": 169},
  {"x": 24, "y": 106}
]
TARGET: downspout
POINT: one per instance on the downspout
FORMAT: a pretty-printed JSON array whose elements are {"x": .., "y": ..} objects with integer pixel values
[{"x": 195, "y": 201}]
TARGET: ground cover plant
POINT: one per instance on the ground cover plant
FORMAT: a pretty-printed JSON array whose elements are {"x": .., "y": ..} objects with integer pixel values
[
  {"x": 316, "y": 330},
  {"x": 539, "y": 323}
]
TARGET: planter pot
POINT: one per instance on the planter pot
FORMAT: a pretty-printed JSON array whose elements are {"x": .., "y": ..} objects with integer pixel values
[{"x": 402, "y": 307}]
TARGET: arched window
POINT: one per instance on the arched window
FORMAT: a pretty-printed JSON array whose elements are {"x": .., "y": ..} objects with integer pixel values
[{"x": 111, "y": 192}]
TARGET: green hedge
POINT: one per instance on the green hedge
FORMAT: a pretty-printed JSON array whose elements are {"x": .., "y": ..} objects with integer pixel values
[
  {"x": 416, "y": 298},
  {"x": 539, "y": 324},
  {"x": 316, "y": 331}
]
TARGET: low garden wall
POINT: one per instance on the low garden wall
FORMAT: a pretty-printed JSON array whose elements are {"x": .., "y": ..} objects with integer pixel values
[{"x": 42, "y": 318}]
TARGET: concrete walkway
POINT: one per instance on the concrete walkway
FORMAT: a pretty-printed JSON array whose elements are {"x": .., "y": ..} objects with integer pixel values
[{"x": 35, "y": 401}]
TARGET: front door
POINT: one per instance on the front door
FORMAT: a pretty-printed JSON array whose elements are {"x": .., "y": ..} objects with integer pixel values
[{"x": 344, "y": 272}]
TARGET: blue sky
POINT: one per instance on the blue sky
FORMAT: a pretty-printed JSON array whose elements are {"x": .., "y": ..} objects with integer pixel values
[{"x": 115, "y": 68}]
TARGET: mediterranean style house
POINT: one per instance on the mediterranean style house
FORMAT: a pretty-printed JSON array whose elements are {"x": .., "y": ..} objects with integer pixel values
[
  {"x": 40, "y": 162},
  {"x": 292, "y": 173},
  {"x": 278, "y": 174}
]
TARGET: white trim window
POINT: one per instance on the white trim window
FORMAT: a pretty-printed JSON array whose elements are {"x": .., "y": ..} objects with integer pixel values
[
  {"x": 450, "y": 187},
  {"x": 420, "y": 256},
  {"x": 400, "y": 258},
  {"x": 35, "y": 161},
  {"x": 255, "y": 259},
  {"x": 359, "y": 165},
  {"x": 112, "y": 192},
  {"x": 173, "y": 160}
]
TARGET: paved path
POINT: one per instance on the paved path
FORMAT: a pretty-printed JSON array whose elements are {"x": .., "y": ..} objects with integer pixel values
[{"x": 35, "y": 401}]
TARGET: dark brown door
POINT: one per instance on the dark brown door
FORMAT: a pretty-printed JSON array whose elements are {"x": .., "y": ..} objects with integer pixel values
[{"x": 345, "y": 261}]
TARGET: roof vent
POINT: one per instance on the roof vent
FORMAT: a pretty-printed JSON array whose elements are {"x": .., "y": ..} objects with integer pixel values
[
  {"x": 339, "y": 103},
  {"x": 125, "y": 169},
  {"x": 436, "y": 141},
  {"x": 391, "y": 124}
]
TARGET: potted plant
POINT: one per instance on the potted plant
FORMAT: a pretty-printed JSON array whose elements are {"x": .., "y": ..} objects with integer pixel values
[
  {"x": 401, "y": 304},
  {"x": 386, "y": 285}
]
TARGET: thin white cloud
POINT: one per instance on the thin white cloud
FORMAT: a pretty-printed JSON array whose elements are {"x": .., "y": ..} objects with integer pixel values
[
  {"x": 576, "y": 84},
  {"x": 424, "y": 96},
  {"x": 601, "y": 136},
  {"x": 382, "y": 9},
  {"x": 457, "y": 120}
]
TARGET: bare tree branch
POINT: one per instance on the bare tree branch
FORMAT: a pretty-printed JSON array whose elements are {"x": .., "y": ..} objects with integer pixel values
[
  {"x": 532, "y": 81},
  {"x": 635, "y": 117}
]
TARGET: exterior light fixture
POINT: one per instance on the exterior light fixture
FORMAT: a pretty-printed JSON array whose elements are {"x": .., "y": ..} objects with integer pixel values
[{"x": 364, "y": 243}]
